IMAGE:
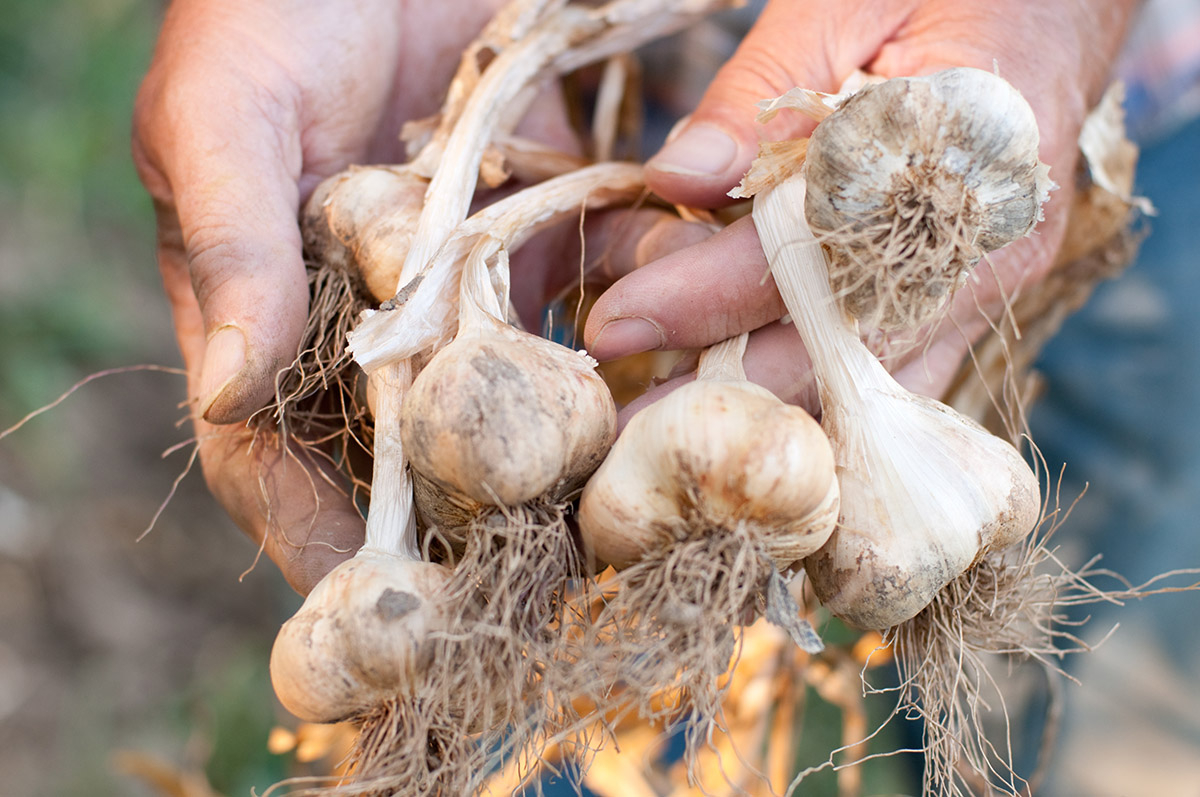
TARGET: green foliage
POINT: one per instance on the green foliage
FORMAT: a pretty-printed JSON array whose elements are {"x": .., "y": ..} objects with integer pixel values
[{"x": 68, "y": 75}]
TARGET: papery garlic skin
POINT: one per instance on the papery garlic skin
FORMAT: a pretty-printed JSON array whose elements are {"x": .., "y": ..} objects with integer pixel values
[
  {"x": 926, "y": 493},
  {"x": 356, "y": 641},
  {"x": 711, "y": 455},
  {"x": 912, "y": 180},
  {"x": 501, "y": 417}
]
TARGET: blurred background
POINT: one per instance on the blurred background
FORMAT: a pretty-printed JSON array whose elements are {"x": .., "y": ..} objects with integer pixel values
[{"x": 133, "y": 659}]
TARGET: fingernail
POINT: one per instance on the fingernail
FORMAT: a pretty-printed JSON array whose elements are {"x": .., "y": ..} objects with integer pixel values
[
  {"x": 624, "y": 336},
  {"x": 701, "y": 150},
  {"x": 224, "y": 359}
]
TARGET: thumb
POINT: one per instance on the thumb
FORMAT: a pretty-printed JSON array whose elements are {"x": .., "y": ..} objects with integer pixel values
[
  {"x": 227, "y": 199},
  {"x": 793, "y": 43}
]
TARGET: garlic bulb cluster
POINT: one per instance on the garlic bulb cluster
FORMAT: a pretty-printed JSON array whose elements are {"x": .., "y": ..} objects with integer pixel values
[
  {"x": 912, "y": 180},
  {"x": 925, "y": 491},
  {"x": 714, "y": 454},
  {"x": 447, "y": 662},
  {"x": 356, "y": 641}
]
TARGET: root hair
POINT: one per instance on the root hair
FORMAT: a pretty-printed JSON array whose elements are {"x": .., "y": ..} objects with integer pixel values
[
  {"x": 896, "y": 268},
  {"x": 514, "y": 575},
  {"x": 1012, "y": 607},
  {"x": 320, "y": 400},
  {"x": 418, "y": 745},
  {"x": 667, "y": 635}
]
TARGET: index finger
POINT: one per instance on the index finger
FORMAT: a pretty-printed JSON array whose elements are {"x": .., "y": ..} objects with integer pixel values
[{"x": 692, "y": 297}]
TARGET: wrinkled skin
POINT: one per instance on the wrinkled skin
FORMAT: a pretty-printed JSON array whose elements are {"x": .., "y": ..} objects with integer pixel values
[{"x": 245, "y": 109}]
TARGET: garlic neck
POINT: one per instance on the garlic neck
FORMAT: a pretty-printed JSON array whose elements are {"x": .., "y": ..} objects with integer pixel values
[
  {"x": 844, "y": 367},
  {"x": 391, "y": 523},
  {"x": 480, "y": 306},
  {"x": 723, "y": 361}
]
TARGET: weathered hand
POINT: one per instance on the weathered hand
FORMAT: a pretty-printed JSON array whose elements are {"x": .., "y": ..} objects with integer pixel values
[
  {"x": 246, "y": 106},
  {"x": 1057, "y": 55}
]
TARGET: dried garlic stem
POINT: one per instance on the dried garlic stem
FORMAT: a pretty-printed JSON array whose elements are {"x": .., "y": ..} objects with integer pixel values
[
  {"x": 564, "y": 38},
  {"x": 567, "y": 39},
  {"x": 424, "y": 315}
]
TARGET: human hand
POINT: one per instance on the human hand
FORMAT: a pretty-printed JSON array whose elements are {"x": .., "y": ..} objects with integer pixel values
[
  {"x": 1058, "y": 56},
  {"x": 246, "y": 106}
]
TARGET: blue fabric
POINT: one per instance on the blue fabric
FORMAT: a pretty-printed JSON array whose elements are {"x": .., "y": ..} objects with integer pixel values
[
  {"x": 1122, "y": 411},
  {"x": 1122, "y": 408}
]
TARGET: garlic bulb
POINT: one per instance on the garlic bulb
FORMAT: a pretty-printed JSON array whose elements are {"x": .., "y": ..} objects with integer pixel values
[
  {"x": 925, "y": 491},
  {"x": 362, "y": 222},
  {"x": 356, "y": 641},
  {"x": 714, "y": 454},
  {"x": 926, "y": 494},
  {"x": 500, "y": 417},
  {"x": 912, "y": 180},
  {"x": 708, "y": 494}
]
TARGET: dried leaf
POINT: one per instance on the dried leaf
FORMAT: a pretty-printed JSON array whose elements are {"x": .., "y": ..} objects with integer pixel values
[
  {"x": 783, "y": 612},
  {"x": 1110, "y": 156},
  {"x": 776, "y": 161},
  {"x": 163, "y": 777},
  {"x": 816, "y": 105}
]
